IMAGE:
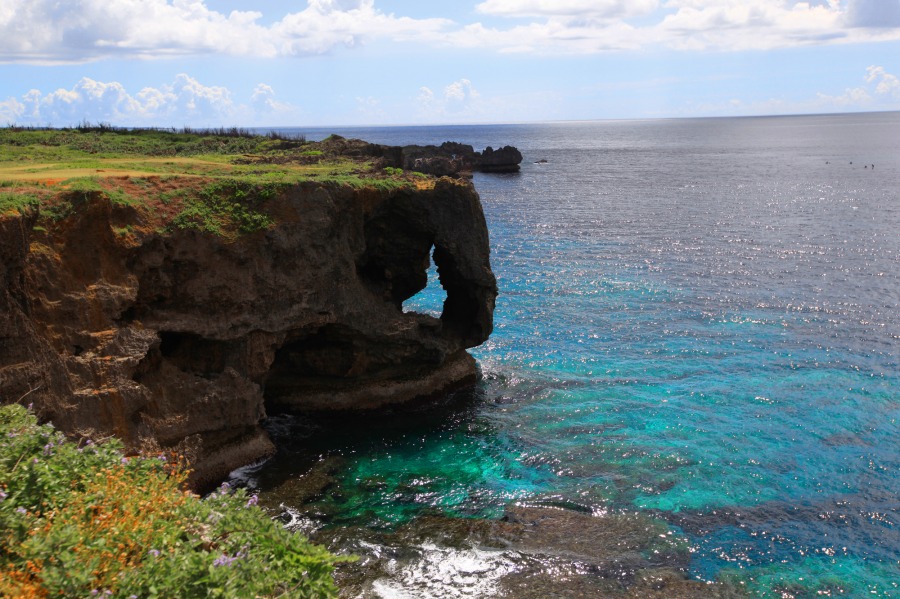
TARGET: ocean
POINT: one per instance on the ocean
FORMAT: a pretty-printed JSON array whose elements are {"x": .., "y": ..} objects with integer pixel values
[{"x": 698, "y": 322}]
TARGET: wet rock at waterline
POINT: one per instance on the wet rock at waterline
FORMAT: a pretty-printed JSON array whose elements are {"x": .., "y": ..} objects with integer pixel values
[{"x": 532, "y": 552}]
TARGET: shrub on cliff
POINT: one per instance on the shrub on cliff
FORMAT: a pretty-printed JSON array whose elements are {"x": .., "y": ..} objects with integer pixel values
[{"x": 85, "y": 521}]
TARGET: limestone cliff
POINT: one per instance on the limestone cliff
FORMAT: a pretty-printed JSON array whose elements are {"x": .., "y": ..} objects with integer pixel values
[{"x": 184, "y": 338}]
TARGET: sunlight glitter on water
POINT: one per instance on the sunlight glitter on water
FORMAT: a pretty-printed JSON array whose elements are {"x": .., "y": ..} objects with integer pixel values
[
  {"x": 443, "y": 573},
  {"x": 686, "y": 328}
]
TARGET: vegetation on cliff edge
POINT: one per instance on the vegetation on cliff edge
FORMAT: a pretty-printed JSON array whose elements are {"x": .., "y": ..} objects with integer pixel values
[
  {"x": 83, "y": 520},
  {"x": 214, "y": 181}
]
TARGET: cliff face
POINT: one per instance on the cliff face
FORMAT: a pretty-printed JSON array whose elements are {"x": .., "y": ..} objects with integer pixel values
[{"x": 183, "y": 339}]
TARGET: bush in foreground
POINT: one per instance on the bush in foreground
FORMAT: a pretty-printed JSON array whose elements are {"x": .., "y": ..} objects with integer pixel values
[{"x": 85, "y": 521}]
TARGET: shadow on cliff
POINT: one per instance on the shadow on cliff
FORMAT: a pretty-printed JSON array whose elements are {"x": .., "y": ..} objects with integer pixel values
[{"x": 310, "y": 446}]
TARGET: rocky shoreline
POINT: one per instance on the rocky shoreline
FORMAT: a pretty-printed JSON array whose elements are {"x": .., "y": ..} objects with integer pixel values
[{"x": 541, "y": 547}]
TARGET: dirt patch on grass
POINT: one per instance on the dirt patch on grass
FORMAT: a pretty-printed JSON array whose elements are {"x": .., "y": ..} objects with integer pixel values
[
  {"x": 119, "y": 167},
  {"x": 163, "y": 197}
]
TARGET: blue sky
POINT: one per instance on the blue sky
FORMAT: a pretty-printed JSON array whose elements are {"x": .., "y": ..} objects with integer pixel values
[{"x": 370, "y": 62}]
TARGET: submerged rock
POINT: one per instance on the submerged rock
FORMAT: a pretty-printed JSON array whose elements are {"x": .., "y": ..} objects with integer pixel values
[
  {"x": 182, "y": 338},
  {"x": 531, "y": 552}
]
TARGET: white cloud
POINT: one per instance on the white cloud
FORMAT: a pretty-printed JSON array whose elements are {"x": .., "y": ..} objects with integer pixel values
[
  {"x": 888, "y": 85},
  {"x": 11, "y": 111},
  {"x": 263, "y": 100},
  {"x": 551, "y": 37},
  {"x": 853, "y": 97},
  {"x": 588, "y": 27},
  {"x": 605, "y": 9},
  {"x": 185, "y": 100},
  {"x": 460, "y": 101},
  {"x": 882, "y": 91},
  {"x": 426, "y": 96},
  {"x": 88, "y": 100},
  {"x": 460, "y": 91},
  {"x": 760, "y": 25},
  {"x": 48, "y": 31}
]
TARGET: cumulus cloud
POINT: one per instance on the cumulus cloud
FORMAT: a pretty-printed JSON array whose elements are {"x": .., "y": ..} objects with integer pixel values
[
  {"x": 761, "y": 25},
  {"x": 185, "y": 100},
  {"x": 88, "y": 100},
  {"x": 856, "y": 97},
  {"x": 11, "y": 111},
  {"x": 459, "y": 100},
  {"x": 585, "y": 27},
  {"x": 263, "y": 100},
  {"x": 426, "y": 96},
  {"x": 887, "y": 84},
  {"x": 882, "y": 88},
  {"x": 460, "y": 91},
  {"x": 48, "y": 31}
]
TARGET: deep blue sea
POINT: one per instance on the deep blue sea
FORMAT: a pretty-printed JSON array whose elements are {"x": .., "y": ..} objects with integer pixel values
[{"x": 698, "y": 320}]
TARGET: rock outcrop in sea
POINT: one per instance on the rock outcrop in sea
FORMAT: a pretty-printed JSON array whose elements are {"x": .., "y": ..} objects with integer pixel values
[
  {"x": 183, "y": 339},
  {"x": 450, "y": 159}
]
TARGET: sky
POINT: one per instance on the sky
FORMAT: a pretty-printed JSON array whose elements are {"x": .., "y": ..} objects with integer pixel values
[{"x": 273, "y": 63}]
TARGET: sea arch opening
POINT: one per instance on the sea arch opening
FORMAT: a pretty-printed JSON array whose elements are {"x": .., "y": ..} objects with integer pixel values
[{"x": 430, "y": 300}]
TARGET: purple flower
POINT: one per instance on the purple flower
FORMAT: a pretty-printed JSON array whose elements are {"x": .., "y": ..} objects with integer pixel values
[
  {"x": 31, "y": 406},
  {"x": 35, "y": 461},
  {"x": 94, "y": 591},
  {"x": 252, "y": 501},
  {"x": 48, "y": 448},
  {"x": 21, "y": 510},
  {"x": 154, "y": 552},
  {"x": 224, "y": 560},
  {"x": 3, "y": 495}
]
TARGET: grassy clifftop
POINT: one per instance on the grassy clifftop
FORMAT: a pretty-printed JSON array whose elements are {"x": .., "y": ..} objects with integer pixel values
[{"x": 214, "y": 180}]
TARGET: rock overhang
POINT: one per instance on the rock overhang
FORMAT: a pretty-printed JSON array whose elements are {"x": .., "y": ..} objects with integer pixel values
[{"x": 183, "y": 338}]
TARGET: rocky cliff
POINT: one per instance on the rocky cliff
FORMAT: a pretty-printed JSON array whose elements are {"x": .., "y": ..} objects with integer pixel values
[{"x": 182, "y": 339}]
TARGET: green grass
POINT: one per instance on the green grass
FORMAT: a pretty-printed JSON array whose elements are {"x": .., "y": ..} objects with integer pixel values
[
  {"x": 82, "y": 520},
  {"x": 225, "y": 178},
  {"x": 86, "y": 186},
  {"x": 358, "y": 181},
  {"x": 108, "y": 142},
  {"x": 17, "y": 202},
  {"x": 227, "y": 206},
  {"x": 35, "y": 153}
]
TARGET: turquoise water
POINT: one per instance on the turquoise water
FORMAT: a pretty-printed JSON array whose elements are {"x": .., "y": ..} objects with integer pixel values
[{"x": 699, "y": 320}]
